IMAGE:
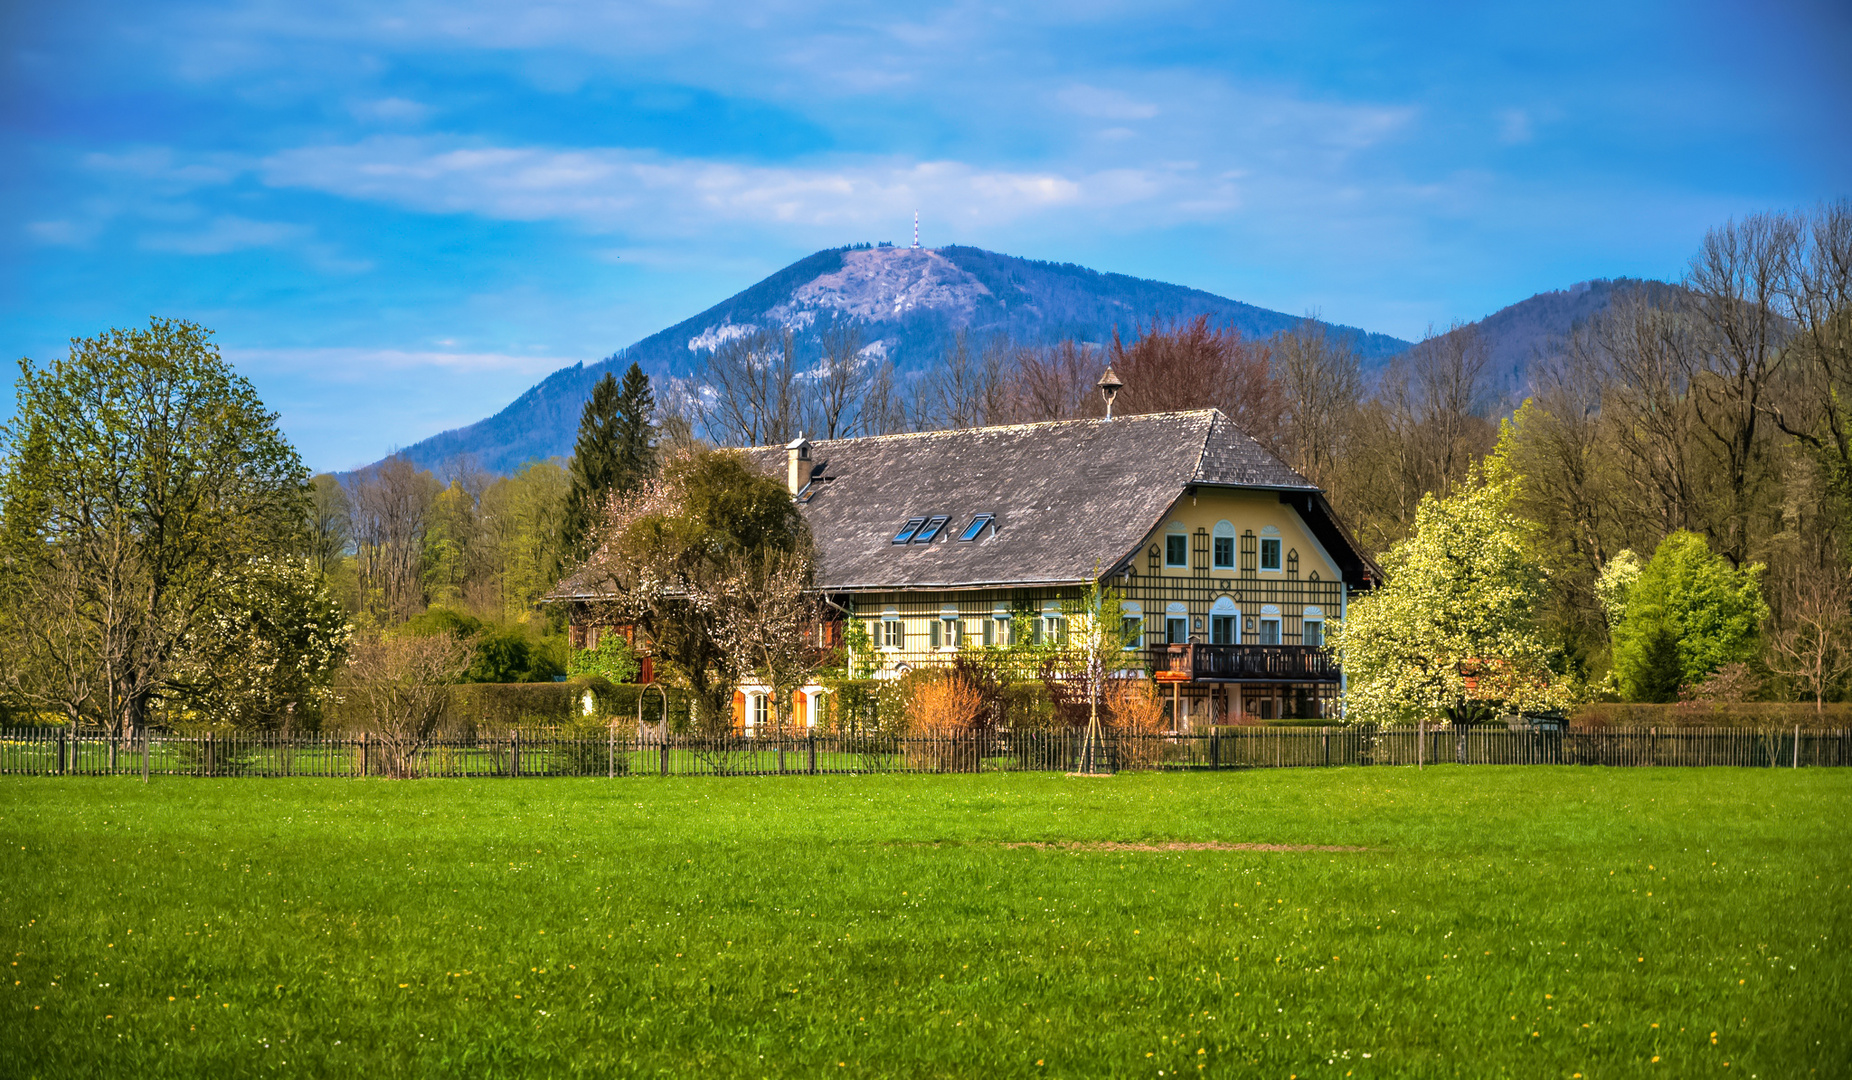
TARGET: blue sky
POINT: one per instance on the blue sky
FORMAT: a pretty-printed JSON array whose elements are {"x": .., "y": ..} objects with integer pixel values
[{"x": 398, "y": 215}]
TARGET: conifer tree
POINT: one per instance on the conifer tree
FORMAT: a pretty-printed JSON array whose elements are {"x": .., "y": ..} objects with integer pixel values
[{"x": 615, "y": 451}]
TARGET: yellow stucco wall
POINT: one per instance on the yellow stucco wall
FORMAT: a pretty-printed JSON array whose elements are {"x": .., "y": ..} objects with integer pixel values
[{"x": 1244, "y": 511}]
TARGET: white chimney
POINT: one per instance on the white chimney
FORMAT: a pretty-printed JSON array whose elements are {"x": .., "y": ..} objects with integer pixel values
[{"x": 797, "y": 463}]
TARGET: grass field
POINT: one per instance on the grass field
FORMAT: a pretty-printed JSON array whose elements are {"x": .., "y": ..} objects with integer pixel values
[{"x": 1525, "y": 922}]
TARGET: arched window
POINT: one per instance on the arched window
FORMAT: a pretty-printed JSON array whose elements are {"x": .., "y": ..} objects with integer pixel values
[
  {"x": 1312, "y": 629},
  {"x": 1224, "y": 622},
  {"x": 1270, "y": 624},
  {"x": 1132, "y": 623},
  {"x": 1176, "y": 623},
  {"x": 1224, "y": 546}
]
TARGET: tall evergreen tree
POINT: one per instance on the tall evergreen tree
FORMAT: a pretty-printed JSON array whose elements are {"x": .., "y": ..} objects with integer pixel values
[
  {"x": 615, "y": 451},
  {"x": 636, "y": 431}
]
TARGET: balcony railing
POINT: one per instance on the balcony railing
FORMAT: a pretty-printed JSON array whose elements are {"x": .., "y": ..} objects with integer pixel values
[{"x": 1287, "y": 663}]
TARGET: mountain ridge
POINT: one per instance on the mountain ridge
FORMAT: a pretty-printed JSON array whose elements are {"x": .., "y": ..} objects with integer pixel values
[
  {"x": 952, "y": 288},
  {"x": 912, "y": 301}
]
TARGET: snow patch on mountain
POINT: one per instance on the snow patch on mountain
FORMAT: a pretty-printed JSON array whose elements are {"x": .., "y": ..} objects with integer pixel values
[
  {"x": 714, "y": 336},
  {"x": 886, "y": 283}
]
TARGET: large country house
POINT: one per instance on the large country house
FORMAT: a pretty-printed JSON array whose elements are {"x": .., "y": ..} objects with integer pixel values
[{"x": 1231, "y": 562}]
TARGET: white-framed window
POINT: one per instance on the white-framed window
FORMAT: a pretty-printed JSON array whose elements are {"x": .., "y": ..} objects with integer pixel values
[
  {"x": 758, "y": 712},
  {"x": 1224, "y": 622},
  {"x": 1270, "y": 548},
  {"x": 945, "y": 629},
  {"x": 1312, "y": 629},
  {"x": 999, "y": 629},
  {"x": 1051, "y": 629},
  {"x": 1269, "y": 625},
  {"x": 1176, "y": 623},
  {"x": 1177, "y": 548},
  {"x": 893, "y": 630},
  {"x": 1224, "y": 546},
  {"x": 1132, "y": 624}
]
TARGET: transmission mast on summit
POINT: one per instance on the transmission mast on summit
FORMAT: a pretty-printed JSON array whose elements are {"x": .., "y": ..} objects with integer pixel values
[{"x": 916, "y": 228}]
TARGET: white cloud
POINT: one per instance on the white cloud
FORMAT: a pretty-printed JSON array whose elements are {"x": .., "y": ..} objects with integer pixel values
[
  {"x": 225, "y": 234},
  {"x": 1103, "y": 104},
  {"x": 1514, "y": 127},
  {"x": 392, "y": 110},
  {"x": 366, "y": 364},
  {"x": 63, "y": 233},
  {"x": 652, "y": 193}
]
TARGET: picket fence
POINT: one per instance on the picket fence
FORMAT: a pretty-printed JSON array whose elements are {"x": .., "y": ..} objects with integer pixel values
[{"x": 47, "y": 752}]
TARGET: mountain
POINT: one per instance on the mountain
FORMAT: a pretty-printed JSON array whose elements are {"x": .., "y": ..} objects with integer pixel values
[
  {"x": 1519, "y": 334},
  {"x": 911, "y": 302}
]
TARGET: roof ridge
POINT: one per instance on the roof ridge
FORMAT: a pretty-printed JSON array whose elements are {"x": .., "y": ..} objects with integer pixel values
[{"x": 995, "y": 428}]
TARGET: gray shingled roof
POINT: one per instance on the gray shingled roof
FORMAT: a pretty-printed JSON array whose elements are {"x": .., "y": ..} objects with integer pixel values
[{"x": 1071, "y": 497}]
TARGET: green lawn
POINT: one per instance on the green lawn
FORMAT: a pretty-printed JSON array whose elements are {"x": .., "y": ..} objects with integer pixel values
[{"x": 1526, "y": 922}]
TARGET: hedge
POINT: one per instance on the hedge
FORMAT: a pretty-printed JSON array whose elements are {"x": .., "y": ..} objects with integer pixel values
[{"x": 1771, "y": 715}]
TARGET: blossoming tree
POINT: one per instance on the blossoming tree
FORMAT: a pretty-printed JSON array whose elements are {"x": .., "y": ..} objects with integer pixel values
[{"x": 1453, "y": 633}]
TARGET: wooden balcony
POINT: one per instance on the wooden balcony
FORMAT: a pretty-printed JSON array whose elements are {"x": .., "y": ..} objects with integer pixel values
[{"x": 1236, "y": 663}]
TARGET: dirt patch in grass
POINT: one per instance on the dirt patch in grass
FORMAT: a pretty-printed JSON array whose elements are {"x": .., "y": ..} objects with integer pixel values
[{"x": 1175, "y": 845}]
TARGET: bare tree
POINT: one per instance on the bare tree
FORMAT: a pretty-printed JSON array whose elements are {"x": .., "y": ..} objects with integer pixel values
[
  {"x": 764, "y": 609},
  {"x": 1811, "y": 645},
  {"x": 1321, "y": 382},
  {"x": 391, "y": 506},
  {"x": 1193, "y": 364},
  {"x": 403, "y": 686},
  {"x": 964, "y": 390},
  {"x": 1052, "y": 382},
  {"x": 330, "y": 519},
  {"x": 1733, "y": 292},
  {"x": 752, "y": 387},
  {"x": 839, "y": 387}
]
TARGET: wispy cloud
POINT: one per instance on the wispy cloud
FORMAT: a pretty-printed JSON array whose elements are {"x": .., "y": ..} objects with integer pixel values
[
  {"x": 365, "y": 364},
  {"x": 224, "y": 234},
  {"x": 647, "y": 192}
]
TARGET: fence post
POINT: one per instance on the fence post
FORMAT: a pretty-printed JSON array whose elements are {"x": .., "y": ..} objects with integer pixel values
[
  {"x": 146, "y": 734},
  {"x": 58, "y": 770},
  {"x": 1797, "y": 746},
  {"x": 1215, "y": 745},
  {"x": 514, "y": 753},
  {"x": 1421, "y": 742},
  {"x": 813, "y": 752},
  {"x": 363, "y": 754},
  {"x": 665, "y": 753},
  {"x": 1325, "y": 734}
]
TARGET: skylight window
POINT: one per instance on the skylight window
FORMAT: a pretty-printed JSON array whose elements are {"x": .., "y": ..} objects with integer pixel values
[
  {"x": 976, "y": 528},
  {"x": 931, "y": 531},
  {"x": 906, "y": 531}
]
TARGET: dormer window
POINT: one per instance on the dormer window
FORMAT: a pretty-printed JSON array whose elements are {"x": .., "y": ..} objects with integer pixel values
[
  {"x": 930, "y": 530},
  {"x": 976, "y": 528},
  {"x": 906, "y": 531}
]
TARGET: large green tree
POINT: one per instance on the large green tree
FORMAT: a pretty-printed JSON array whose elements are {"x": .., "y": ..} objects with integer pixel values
[
  {"x": 141, "y": 474},
  {"x": 709, "y": 563},
  {"x": 1454, "y": 630},
  {"x": 1685, "y": 615},
  {"x": 615, "y": 452}
]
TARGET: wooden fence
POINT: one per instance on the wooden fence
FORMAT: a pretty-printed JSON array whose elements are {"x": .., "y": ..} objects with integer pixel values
[{"x": 58, "y": 752}]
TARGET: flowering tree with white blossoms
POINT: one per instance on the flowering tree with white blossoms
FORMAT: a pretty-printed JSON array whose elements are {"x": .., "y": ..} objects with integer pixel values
[{"x": 1453, "y": 632}]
